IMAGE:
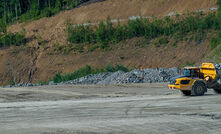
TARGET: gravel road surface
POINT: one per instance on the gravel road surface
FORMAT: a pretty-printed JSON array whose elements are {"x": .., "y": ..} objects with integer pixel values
[{"x": 129, "y": 109}]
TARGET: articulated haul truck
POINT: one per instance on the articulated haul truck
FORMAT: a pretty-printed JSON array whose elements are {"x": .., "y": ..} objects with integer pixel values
[{"x": 196, "y": 80}]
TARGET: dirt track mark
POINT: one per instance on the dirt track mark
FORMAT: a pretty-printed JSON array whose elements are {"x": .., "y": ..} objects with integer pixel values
[{"x": 147, "y": 111}]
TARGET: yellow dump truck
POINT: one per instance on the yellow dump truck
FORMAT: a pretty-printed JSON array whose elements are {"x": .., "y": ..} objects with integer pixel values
[{"x": 196, "y": 80}]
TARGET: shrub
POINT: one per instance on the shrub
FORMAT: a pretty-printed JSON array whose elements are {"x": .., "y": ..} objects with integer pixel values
[
  {"x": 188, "y": 63},
  {"x": 160, "y": 41},
  {"x": 105, "y": 33},
  {"x": 57, "y": 78},
  {"x": 84, "y": 71},
  {"x": 119, "y": 34},
  {"x": 81, "y": 72},
  {"x": 163, "y": 40},
  {"x": 109, "y": 68},
  {"x": 8, "y": 39},
  {"x": 19, "y": 39},
  {"x": 11, "y": 81},
  {"x": 3, "y": 27},
  {"x": 121, "y": 67},
  {"x": 76, "y": 34},
  {"x": 215, "y": 42}
]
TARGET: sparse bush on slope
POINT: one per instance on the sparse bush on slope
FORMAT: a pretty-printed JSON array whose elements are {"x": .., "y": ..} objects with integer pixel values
[
  {"x": 217, "y": 40},
  {"x": 9, "y": 39}
]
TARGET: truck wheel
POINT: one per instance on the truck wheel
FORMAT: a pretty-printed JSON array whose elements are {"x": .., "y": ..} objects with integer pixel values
[
  {"x": 186, "y": 93},
  {"x": 218, "y": 91},
  {"x": 198, "y": 89}
]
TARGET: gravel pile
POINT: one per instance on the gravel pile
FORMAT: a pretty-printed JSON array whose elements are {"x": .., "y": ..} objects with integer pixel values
[
  {"x": 135, "y": 76},
  {"x": 90, "y": 79},
  {"x": 130, "y": 77},
  {"x": 112, "y": 78},
  {"x": 218, "y": 66},
  {"x": 160, "y": 75},
  {"x": 23, "y": 85},
  {"x": 119, "y": 77}
]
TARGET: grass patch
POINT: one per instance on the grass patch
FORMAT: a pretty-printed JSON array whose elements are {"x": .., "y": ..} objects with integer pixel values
[
  {"x": 216, "y": 54},
  {"x": 188, "y": 63},
  {"x": 161, "y": 41},
  {"x": 216, "y": 41}
]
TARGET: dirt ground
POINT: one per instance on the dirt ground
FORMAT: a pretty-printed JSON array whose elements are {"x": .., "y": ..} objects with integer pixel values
[
  {"x": 24, "y": 65},
  {"x": 129, "y": 109}
]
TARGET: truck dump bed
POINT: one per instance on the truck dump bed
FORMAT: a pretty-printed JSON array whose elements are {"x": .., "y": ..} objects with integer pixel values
[
  {"x": 212, "y": 74},
  {"x": 218, "y": 68}
]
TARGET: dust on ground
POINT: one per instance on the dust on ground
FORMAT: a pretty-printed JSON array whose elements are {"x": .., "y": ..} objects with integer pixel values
[{"x": 130, "y": 109}]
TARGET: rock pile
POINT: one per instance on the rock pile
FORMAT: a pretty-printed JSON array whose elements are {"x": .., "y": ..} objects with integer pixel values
[
  {"x": 218, "y": 66},
  {"x": 135, "y": 76},
  {"x": 119, "y": 77},
  {"x": 89, "y": 79}
]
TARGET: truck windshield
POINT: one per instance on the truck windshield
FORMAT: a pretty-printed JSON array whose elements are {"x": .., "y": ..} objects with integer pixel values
[{"x": 186, "y": 72}]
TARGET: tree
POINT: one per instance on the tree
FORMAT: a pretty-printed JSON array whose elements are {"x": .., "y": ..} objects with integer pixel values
[
  {"x": 3, "y": 28},
  {"x": 58, "y": 6},
  {"x": 12, "y": 10},
  {"x": 219, "y": 11}
]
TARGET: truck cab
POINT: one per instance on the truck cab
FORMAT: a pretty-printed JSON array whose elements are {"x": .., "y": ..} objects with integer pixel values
[{"x": 185, "y": 81}]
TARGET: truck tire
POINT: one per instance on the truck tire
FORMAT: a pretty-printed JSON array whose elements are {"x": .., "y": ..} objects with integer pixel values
[
  {"x": 198, "y": 88},
  {"x": 186, "y": 92},
  {"x": 218, "y": 91}
]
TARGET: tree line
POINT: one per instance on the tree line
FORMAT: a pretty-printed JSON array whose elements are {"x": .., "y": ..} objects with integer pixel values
[
  {"x": 22, "y": 10},
  {"x": 14, "y": 10}
]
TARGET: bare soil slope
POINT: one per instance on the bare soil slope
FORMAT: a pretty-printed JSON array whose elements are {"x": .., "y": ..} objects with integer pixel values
[{"x": 38, "y": 61}]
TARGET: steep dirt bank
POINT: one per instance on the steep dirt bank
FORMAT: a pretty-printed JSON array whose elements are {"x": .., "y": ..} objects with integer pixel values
[
  {"x": 23, "y": 65},
  {"x": 38, "y": 60}
]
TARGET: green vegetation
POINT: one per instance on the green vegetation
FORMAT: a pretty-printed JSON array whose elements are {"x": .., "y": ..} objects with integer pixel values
[
  {"x": 8, "y": 39},
  {"x": 81, "y": 72},
  {"x": 11, "y": 81},
  {"x": 216, "y": 41},
  {"x": 188, "y": 63},
  {"x": 161, "y": 40},
  {"x": 23, "y": 10},
  {"x": 105, "y": 33}
]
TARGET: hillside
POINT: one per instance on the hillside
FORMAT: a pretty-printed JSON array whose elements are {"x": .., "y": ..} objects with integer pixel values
[{"x": 40, "y": 60}]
